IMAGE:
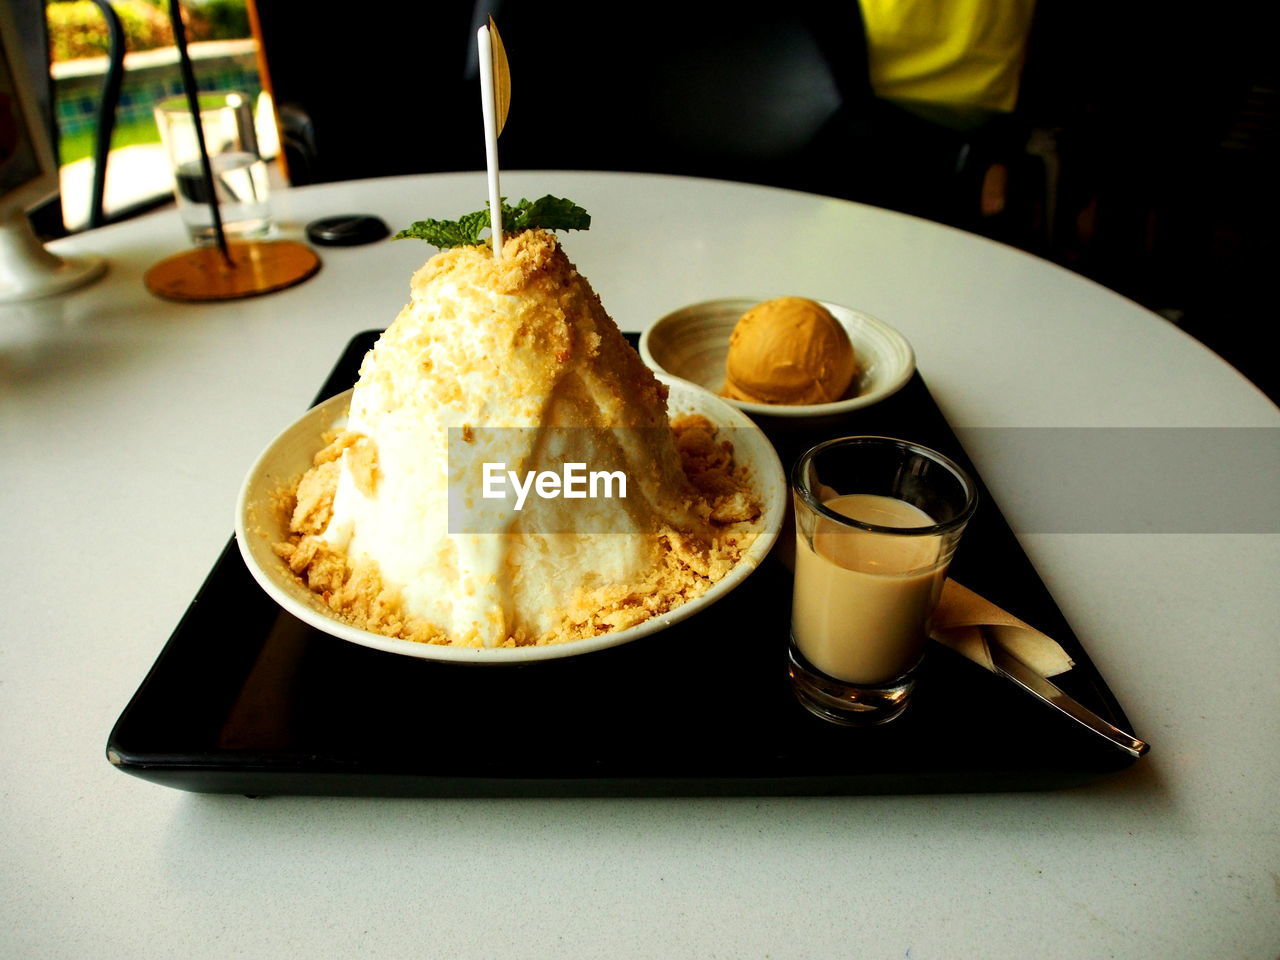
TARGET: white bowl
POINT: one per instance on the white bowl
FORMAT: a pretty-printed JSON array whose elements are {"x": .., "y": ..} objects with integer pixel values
[
  {"x": 259, "y": 525},
  {"x": 693, "y": 343}
]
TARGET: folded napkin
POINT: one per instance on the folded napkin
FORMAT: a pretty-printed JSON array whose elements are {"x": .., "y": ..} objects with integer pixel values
[{"x": 961, "y": 616}]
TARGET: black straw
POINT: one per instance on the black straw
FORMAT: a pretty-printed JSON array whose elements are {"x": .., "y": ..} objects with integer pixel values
[{"x": 193, "y": 104}]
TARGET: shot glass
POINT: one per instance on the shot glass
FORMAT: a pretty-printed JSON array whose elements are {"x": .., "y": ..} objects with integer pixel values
[
  {"x": 877, "y": 522},
  {"x": 239, "y": 171}
]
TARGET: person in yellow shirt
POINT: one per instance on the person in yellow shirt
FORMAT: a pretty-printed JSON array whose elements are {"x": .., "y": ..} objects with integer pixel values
[
  {"x": 952, "y": 70},
  {"x": 963, "y": 53}
]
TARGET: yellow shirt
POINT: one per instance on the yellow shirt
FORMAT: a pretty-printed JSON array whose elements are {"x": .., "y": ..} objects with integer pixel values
[{"x": 966, "y": 52}]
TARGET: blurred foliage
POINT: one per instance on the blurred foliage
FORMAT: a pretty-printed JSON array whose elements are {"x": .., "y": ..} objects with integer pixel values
[
  {"x": 77, "y": 28},
  {"x": 223, "y": 19}
]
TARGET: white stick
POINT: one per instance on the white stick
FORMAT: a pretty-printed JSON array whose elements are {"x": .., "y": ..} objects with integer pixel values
[{"x": 487, "y": 103}]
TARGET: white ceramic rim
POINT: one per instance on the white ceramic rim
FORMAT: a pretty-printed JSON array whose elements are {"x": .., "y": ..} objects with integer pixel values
[
  {"x": 765, "y": 468},
  {"x": 893, "y": 381}
]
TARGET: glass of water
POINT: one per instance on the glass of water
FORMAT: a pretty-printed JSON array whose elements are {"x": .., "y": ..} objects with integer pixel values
[{"x": 239, "y": 171}]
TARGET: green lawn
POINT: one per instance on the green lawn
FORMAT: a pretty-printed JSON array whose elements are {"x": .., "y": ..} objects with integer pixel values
[{"x": 77, "y": 146}]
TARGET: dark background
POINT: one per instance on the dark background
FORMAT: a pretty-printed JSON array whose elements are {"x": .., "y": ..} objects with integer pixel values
[
  {"x": 1142, "y": 153},
  {"x": 1162, "y": 121}
]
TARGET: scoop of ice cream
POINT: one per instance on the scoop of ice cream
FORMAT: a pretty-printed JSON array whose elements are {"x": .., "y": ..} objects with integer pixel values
[{"x": 789, "y": 351}]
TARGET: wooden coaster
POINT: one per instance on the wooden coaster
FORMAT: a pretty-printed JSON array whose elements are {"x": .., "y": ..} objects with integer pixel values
[{"x": 255, "y": 268}]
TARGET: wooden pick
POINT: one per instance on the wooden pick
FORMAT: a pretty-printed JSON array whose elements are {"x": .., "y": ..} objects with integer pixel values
[
  {"x": 501, "y": 76},
  {"x": 494, "y": 77}
]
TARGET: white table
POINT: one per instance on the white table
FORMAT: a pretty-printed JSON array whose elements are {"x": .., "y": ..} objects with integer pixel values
[{"x": 127, "y": 423}]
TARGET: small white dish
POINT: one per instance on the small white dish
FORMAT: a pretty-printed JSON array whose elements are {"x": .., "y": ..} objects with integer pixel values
[
  {"x": 259, "y": 524},
  {"x": 693, "y": 343}
]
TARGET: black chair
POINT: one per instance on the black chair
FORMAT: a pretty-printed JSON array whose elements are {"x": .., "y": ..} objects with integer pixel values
[
  {"x": 683, "y": 88},
  {"x": 673, "y": 90},
  {"x": 107, "y": 104}
]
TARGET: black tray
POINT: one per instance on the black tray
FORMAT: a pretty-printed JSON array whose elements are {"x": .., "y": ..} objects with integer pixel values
[{"x": 245, "y": 698}]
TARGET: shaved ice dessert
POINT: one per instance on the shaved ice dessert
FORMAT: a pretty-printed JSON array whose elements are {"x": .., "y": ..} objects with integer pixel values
[{"x": 510, "y": 356}]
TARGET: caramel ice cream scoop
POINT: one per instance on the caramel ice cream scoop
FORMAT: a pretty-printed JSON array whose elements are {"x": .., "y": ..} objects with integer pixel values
[{"x": 789, "y": 351}]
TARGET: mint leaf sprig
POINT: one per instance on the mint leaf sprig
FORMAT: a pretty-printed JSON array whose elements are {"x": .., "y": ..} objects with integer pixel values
[{"x": 545, "y": 213}]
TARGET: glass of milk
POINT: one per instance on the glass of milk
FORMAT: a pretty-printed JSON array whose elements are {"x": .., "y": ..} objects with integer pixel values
[
  {"x": 877, "y": 522},
  {"x": 239, "y": 170}
]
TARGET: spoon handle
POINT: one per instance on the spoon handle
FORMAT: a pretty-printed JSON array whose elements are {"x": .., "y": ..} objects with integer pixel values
[{"x": 1010, "y": 666}]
